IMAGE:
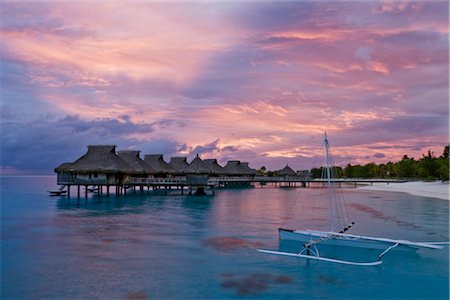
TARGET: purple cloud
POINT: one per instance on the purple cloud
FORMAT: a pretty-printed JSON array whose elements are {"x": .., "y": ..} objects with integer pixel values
[{"x": 264, "y": 80}]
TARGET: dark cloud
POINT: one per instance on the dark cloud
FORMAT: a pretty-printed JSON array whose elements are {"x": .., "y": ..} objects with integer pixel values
[
  {"x": 379, "y": 155},
  {"x": 230, "y": 149},
  {"x": 208, "y": 148},
  {"x": 107, "y": 125},
  {"x": 43, "y": 144}
]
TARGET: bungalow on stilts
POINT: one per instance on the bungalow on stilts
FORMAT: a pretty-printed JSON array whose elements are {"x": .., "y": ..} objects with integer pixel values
[{"x": 99, "y": 167}]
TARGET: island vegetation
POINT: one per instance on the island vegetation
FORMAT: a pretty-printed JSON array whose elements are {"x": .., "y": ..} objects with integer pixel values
[{"x": 428, "y": 167}]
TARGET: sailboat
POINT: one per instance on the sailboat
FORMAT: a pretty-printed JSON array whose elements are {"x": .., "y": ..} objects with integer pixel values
[{"x": 311, "y": 239}]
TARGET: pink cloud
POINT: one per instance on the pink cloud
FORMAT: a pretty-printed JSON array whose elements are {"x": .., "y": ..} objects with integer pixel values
[{"x": 263, "y": 80}]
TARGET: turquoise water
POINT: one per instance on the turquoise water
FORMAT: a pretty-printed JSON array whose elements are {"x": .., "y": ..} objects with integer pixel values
[{"x": 153, "y": 246}]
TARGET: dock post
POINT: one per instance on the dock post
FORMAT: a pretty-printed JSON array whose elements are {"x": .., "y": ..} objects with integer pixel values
[
  {"x": 68, "y": 191},
  {"x": 107, "y": 191},
  {"x": 99, "y": 191},
  {"x": 85, "y": 191},
  {"x": 78, "y": 191}
]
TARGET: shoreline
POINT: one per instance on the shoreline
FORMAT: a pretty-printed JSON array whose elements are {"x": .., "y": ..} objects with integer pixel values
[{"x": 433, "y": 189}]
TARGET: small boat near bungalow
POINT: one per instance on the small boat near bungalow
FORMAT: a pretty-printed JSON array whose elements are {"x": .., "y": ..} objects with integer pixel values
[
  {"x": 57, "y": 193},
  {"x": 311, "y": 240}
]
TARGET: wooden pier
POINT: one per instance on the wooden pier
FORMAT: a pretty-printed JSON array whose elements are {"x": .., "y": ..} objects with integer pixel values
[{"x": 182, "y": 186}]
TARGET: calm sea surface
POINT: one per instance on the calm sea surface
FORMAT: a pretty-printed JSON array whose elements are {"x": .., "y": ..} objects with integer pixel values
[{"x": 151, "y": 246}]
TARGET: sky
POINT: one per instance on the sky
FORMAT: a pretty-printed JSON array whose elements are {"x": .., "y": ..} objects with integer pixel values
[{"x": 256, "y": 81}]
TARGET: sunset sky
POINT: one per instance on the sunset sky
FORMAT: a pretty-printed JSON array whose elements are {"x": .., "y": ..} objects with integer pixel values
[{"x": 255, "y": 81}]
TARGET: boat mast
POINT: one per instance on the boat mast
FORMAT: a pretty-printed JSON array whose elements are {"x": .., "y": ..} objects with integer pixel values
[{"x": 330, "y": 198}]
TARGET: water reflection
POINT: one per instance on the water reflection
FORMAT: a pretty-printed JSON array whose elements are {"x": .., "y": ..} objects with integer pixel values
[
  {"x": 253, "y": 284},
  {"x": 186, "y": 247}
]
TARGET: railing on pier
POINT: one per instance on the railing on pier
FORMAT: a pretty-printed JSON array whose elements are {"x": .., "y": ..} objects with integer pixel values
[{"x": 156, "y": 181}]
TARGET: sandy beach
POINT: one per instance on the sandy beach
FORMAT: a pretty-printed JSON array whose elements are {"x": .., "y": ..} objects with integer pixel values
[{"x": 434, "y": 189}]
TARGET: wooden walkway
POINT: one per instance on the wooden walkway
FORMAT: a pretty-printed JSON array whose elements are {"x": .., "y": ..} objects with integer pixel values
[
  {"x": 168, "y": 185},
  {"x": 303, "y": 182}
]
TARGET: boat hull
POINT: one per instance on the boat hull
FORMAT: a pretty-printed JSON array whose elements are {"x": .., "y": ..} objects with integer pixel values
[{"x": 340, "y": 240}]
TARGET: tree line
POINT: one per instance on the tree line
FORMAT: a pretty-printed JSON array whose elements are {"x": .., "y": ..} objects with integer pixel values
[{"x": 428, "y": 167}]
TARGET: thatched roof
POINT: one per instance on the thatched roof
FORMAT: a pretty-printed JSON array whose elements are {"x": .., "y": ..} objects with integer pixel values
[
  {"x": 179, "y": 164},
  {"x": 245, "y": 169},
  {"x": 64, "y": 167},
  {"x": 100, "y": 159},
  {"x": 213, "y": 166},
  {"x": 197, "y": 166},
  {"x": 287, "y": 171},
  {"x": 232, "y": 168},
  {"x": 157, "y": 163},
  {"x": 133, "y": 159}
]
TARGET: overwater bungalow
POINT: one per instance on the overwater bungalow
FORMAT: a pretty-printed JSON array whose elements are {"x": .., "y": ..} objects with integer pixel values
[
  {"x": 99, "y": 166},
  {"x": 214, "y": 168},
  {"x": 140, "y": 170},
  {"x": 246, "y": 170},
  {"x": 197, "y": 173},
  {"x": 232, "y": 168},
  {"x": 158, "y": 164},
  {"x": 286, "y": 172},
  {"x": 236, "y": 175},
  {"x": 179, "y": 164},
  {"x": 63, "y": 173}
]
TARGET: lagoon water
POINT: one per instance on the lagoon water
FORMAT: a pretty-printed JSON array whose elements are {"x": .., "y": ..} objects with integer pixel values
[{"x": 151, "y": 246}]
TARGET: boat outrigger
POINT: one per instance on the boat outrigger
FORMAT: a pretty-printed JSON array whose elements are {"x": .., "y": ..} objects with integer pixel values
[{"x": 310, "y": 239}]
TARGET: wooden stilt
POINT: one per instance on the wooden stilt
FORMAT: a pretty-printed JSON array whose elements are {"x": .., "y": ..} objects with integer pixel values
[
  {"x": 107, "y": 191},
  {"x": 78, "y": 191},
  {"x": 85, "y": 191},
  {"x": 68, "y": 191}
]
